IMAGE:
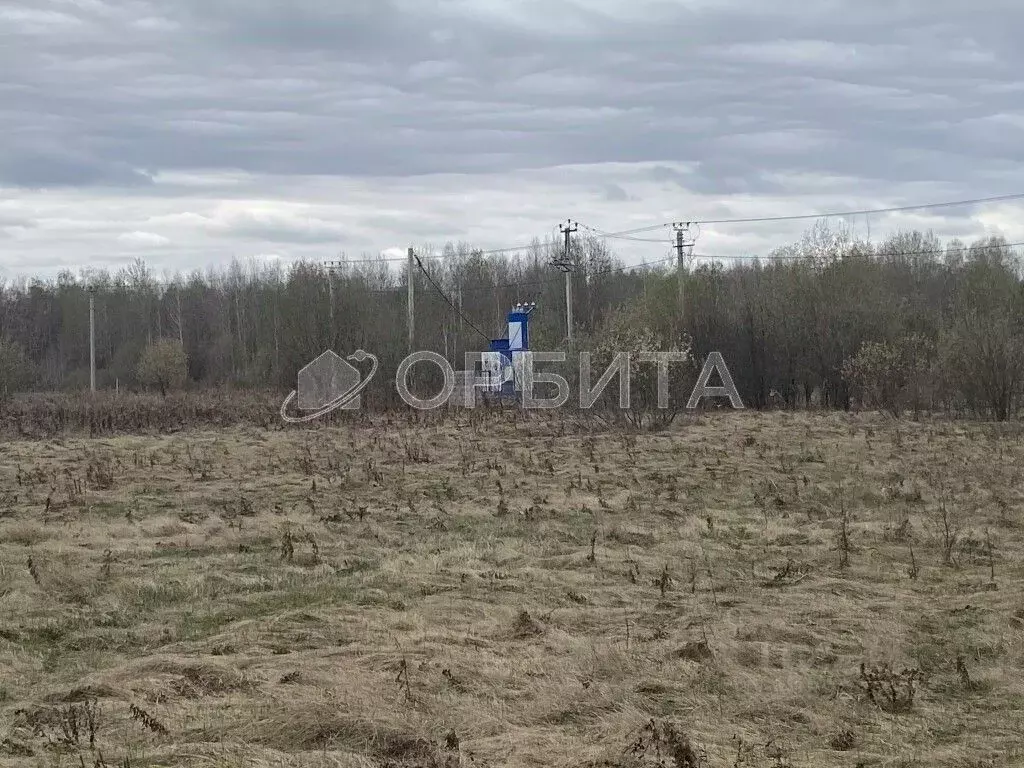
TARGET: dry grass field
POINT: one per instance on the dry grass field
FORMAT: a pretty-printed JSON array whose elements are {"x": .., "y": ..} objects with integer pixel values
[{"x": 745, "y": 590}]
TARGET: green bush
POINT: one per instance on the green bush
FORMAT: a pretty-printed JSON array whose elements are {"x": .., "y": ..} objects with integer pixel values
[{"x": 163, "y": 365}]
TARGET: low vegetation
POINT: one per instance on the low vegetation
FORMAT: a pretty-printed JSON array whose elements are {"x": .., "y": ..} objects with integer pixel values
[
  {"x": 917, "y": 323},
  {"x": 738, "y": 590}
]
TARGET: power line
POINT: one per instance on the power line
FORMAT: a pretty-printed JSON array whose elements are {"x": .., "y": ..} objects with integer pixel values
[
  {"x": 721, "y": 257},
  {"x": 510, "y": 249},
  {"x": 802, "y": 217},
  {"x": 631, "y": 238},
  {"x": 629, "y": 234},
  {"x": 741, "y": 257},
  {"x": 440, "y": 256},
  {"x": 553, "y": 280},
  {"x": 450, "y": 302},
  {"x": 863, "y": 254}
]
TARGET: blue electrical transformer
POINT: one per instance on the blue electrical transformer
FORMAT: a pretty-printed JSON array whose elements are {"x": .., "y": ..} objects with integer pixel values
[{"x": 506, "y": 354}]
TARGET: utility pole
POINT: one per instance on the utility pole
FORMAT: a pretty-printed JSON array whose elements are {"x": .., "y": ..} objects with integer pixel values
[
  {"x": 331, "y": 266},
  {"x": 566, "y": 265},
  {"x": 92, "y": 338},
  {"x": 461, "y": 326},
  {"x": 682, "y": 230},
  {"x": 181, "y": 320},
  {"x": 412, "y": 323}
]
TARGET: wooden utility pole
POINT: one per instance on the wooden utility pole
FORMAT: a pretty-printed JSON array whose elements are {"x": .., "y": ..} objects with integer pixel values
[
  {"x": 565, "y": 264},
  {"x": 412, "y": 323},
  {"x": 92, "y": 338}
]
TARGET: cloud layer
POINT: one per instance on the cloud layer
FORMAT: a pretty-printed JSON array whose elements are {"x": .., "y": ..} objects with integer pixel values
[{"x": 189, "y": 132}]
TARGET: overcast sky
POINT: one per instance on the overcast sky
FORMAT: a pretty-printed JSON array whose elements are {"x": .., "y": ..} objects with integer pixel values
[{"x": 189, "y": 132}]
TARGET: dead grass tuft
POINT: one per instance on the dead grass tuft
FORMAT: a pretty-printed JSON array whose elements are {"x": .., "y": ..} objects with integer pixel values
[
  {"x": 355, "y": 594},
  {"x": 526, "y": 626}
]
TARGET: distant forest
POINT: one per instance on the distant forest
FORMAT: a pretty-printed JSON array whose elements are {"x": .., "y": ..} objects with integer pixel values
[{"x": 911, "y": 322}]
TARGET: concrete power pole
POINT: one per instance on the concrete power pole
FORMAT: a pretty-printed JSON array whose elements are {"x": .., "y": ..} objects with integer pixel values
[
  {"x": 331, "y": 267},
  {"x": 412, "y": 322},
  {"x": 92, "y": 338},
  {"x": 682, "y": 230},
  {"x": 566, "y": 265}
]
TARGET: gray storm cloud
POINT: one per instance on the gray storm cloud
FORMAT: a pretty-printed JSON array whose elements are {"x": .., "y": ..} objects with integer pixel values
[{"x": 104, "y": 99}]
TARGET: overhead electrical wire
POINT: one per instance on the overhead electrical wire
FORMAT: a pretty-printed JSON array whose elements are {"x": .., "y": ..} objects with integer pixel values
[
  {"x": 863, "y": 254},
  {"x": 712, "y": 257},
  {"x": 547, "y": 281},
  {"x": 450, "y": 302},
  {"x": 806, "y": 216},
  {"x": 769, "y": 257},
  {"x": 438, "y": 257},
  {"x": 629, "y": 234},
  {"x": 631, "y": 238}
]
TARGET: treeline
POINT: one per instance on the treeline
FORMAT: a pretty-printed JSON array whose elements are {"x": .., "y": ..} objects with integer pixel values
[{"x": 910, "y": 322}]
